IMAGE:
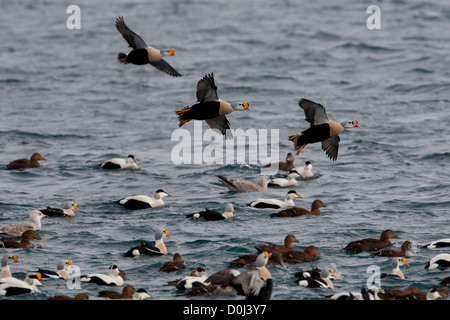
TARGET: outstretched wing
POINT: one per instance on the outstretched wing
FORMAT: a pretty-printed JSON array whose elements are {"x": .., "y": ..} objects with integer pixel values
[
  {"x": 220, "y": 124},
  {"x": 134, "y": 40},
  {"x": 331, "y": 147},
  {"x": 206, "y": 89},
  {"x": 315, "y": 113}
]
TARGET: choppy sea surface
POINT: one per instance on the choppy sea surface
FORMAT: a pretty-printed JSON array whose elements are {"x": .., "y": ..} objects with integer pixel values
[{"x": 64, "y": 94}]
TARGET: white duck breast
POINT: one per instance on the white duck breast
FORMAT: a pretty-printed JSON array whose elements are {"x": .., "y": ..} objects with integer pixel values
[
  {"x": 120, "y": 163},
  {"x": 143, "y": 202},
  {"x": 111, "y": 279},
  {"x": 306, "y": 171},
  {"x": 275, "y": 203},
  {"x": 441, "y": 243}
]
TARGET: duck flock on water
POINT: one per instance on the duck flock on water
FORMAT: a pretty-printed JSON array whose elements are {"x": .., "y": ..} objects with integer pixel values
[{"x": 248, "y": 275}]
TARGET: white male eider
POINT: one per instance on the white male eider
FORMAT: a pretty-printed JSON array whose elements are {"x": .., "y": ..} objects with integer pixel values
[
  {"x": 158, "y": 249},
  {"x": 306, "y": 171},
  {"x": 113, "y": 278},
  {"x": 441, "y": 243},
  {"x": 290, "y": 180},
  {"x": 143, "y": 202},
  {"x": 66, "y": 211},
  {"x": 210, "y": 108},
  {"x": 12, "y": 286},
  {"x": 121, "y": 163},
  {"x": 441, "y": 261},
  {"x": 33, "y": 223},
  {"x": 318, "y": 279},
  {"x": 213, "y": 215},
  {"x": 142, "y": 294},
  {"x": 321, "y": 129},
  {"x": 196, "y": 277},
  {"x": 142, "y": 53},
  {"x": 275, "y": 203}
]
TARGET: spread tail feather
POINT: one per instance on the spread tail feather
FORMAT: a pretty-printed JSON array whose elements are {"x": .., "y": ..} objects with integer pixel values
[
  {"x": 122, "y": 57},
  {"x": 181, "y": 116}
]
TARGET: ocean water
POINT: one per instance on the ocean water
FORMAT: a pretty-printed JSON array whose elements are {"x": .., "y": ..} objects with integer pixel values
[{"x": 64, "y": 94}]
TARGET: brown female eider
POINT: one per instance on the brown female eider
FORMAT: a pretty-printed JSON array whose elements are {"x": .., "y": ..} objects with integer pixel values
[
  {"x": 176, "y": 264},
  {"x": 405, "y": 250},
  {"x": 24, "y": 240},
  {"x": 33, "y": 162},
  {"x": 286, "y": 247},
  {"x": 284, "y": 166},
  {"x": 295, "y": 212},
  {"x": 372, "y": 244},
  {"x": 321, "y": 129}
]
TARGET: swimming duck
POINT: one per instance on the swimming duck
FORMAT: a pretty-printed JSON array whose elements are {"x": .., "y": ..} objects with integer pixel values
[
  {"x": 24, "y": 240},
  {"x": 142, "y": 53},
  {"x": 321, "y": 129},
  {"x": 138, "y": 202},
  {"x": 33, "y": 162},
  {"x": 158, "y": 249},
  {"x": 286, "y": 247},
  {"x": 319, "y": 279},
  {"x": 12, "y": 286},
  {"x": 6, "y": 261},
  {"x": 78, "y": 296},
  {"x": 296, "y": 211},
  {"x": 213, "y": 215},
  {"x": 210, "y": 108},
  {"x": 196, "y": 278},
  {"x": 441, "y": 243},
  {"x": 176, "y": 264},
  {"x": 310, "y": 253},
  {"x": 290, "y": 180},
  {"x": 60, "y": 273},
  {"x": 306, "y": 171},
  {"x": 275, "y": 203},
  {"x": 441, "y": 261},
  {"x": 392, "y": 294},
  {"x": 396, "y": 272},
  {"x": 66, "y": 211},
  {"x": 255, "y": 284},
  {"x": 371, "y": 293},
  {"x": 33, "y": 223},
  {"x": 284, "y": 166},
  {"x": 142, "y": 294},
  {"x": 406, "y": 250},
  {"x": 114, "y": 277},
  {"x": 245, "y": 186},
  {"x": 371, "y": 244},
  {"x": 127, "y": 292},
  {"x": 249, "y": 260},
  {"x": 218, "y": 283},
  {"x": 121, "y": 163}
]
